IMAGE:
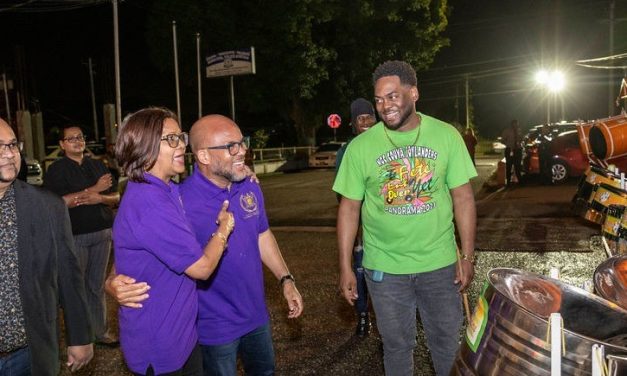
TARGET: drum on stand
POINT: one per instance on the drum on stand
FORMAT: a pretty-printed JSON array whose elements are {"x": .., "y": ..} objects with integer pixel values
[
  {"x": 507, "y": 334},
  {"x": 603, "y": 196},
  {"x": 612, "y": 228},
  {"x": 610, "y": 280},
  {"x": 594, "y": 175}
]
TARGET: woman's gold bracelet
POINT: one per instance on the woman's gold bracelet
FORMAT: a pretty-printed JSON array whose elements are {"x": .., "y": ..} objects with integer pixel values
[{"x": 221, "y": 236}]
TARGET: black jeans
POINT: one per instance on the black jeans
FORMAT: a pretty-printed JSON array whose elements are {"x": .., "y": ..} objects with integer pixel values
[
  {"x": 513, "y": 159},
  {"x": 192, "y": 367}
]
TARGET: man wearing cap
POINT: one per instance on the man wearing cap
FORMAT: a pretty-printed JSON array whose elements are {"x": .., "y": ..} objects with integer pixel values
[{"x": 362, "y": 118}]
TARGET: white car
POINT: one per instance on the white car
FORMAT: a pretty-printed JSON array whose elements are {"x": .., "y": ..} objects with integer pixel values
[
  {"x": 34, "y": 174},
  {"x": 325, "y": 155}
]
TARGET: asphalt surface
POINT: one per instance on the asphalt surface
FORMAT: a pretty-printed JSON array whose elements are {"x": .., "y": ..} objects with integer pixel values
[{"x": 302, "y": 209}]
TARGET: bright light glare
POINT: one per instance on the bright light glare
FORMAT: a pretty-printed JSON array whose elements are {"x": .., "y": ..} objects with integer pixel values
[{"x": 554, "y": 81}]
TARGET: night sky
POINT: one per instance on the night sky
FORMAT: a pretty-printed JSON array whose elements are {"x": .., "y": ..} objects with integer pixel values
[{"x": 498, "y": 44}]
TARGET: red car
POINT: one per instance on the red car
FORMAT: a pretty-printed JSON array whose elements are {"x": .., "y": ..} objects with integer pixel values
[{"x": 567, "y": 159}]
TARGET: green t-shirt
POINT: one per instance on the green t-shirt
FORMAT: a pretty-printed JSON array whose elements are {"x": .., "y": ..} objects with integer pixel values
[{"x": 407, "y": 211}]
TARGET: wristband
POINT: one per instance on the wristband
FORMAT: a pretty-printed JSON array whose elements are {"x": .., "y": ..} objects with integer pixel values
[{"x": 285, "y": 278}]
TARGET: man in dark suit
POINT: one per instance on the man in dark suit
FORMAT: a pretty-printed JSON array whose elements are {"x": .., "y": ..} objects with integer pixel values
[{"x": 38, "y": 271}]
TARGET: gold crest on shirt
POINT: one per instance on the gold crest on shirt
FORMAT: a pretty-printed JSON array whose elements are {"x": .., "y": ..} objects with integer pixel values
[{"x": 248, "y": 202}]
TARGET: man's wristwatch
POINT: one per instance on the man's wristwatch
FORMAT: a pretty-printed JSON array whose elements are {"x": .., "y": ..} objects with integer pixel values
[
  {"x": 285, "y": 278},
  {"x": 470, "y": 258}
]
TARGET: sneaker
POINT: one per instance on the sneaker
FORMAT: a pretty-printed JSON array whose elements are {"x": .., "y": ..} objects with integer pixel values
[{"x": 363, "y": 325}]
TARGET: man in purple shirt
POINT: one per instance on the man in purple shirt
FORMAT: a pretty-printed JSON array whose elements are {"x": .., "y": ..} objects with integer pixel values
[{"x": 232, "y": 317}]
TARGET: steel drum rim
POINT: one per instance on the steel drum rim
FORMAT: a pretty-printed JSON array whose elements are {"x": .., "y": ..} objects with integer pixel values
[{"x": 605, "y": 302}]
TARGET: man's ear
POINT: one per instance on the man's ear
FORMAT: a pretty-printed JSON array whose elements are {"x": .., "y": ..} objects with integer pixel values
[
  {"x": 202, "y": 156},
  {"x": 415, "y": 94}
]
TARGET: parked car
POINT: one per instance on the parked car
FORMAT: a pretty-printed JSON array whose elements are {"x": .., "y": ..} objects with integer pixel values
[
  {"x": 34, "y": 174},
  {"x": 567, "y": 159},
  {"x": 325, "y": 155}
]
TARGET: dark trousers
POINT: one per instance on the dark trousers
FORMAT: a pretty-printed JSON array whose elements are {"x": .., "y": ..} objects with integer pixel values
[
  {"x": 545, "y": 167},
  {"x": 192, "y": 367},
  {"x": 513, "y": 158}
]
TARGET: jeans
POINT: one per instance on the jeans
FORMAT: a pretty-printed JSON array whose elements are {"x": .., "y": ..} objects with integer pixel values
[
  {"x": 255, "y": 349},
  {"x": 361, "y": 304},
  {"x": 16, "y": 364},
  {"x": 395, "y": 300},
  {"x": 93, "y": 250}
]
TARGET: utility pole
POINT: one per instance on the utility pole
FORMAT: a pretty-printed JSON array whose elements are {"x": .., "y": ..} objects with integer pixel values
[
  {"x": 93, "y": 99},
  {"x": 116, "y": 54},
  {"x": 467, "y": 103},
  {"x": 610, "y": 72},
  {"x": 176, "y": 75},
  {"x": 199, "y": 77}
]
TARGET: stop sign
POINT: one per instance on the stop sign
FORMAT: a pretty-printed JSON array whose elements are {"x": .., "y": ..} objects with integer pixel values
[{"x": 334, "y": 121}]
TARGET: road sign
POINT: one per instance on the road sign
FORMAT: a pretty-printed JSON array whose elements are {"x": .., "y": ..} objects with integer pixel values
[{"x": 334, "y": 121}]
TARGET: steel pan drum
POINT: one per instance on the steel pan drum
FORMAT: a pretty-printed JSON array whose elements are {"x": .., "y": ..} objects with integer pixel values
[
  {"x": 595, "y": 175},
  {"x": 508, "y": 330},
  {"x": 610, "y": 280},
  {"x": 603, "y": 196},
  {"x": 614, "y": 229}
]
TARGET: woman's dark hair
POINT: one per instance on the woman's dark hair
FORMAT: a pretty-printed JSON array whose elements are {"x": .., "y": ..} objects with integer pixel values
[
  {"x": 139, "y": 139},
  {"x": 403, "y": 70}
]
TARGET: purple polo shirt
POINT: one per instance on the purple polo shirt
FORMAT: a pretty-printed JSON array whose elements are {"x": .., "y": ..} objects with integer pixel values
[
  {"x": 232, "y": 302},
  {"x": 155, "y": 244}
]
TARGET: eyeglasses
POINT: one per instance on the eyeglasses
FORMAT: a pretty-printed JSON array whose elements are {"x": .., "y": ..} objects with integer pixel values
[
  {"x": 173, "y": 139},
  {"x": 232, "y": 147},
  {"x": 13, "y": 147},
  {"x": 74, "y": 139}
]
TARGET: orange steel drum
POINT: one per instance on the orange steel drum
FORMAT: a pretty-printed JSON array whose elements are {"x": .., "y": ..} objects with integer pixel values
[
  {"x": 594, "y": 175},
  {"x": 603, "y": 196},
  {"x": 608, "y": 137},
  {"x": 583, "y": 131},
  {"x": 610, "y": 280}
]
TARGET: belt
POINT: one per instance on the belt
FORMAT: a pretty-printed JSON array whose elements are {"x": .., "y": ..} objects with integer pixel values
[{"x": 4, "y": 354}]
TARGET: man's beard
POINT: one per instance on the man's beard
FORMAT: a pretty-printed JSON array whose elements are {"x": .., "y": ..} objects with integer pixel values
[
  {"x": 228, "y": 174},
  {"x": 8, "y": 178},
  {"x": 402, "y": 119}
]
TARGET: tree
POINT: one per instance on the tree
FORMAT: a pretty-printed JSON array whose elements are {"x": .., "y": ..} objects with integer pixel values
[{"x": 313, "y": 56}]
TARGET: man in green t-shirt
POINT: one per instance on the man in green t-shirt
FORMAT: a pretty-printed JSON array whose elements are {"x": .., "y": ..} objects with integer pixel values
[{"x": 408, "y": 176}]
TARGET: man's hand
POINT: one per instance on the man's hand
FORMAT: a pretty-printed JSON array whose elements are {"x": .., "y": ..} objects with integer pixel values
[
  {"x": 468, "y": 274},
  {"x": 348, "y": 286},
  {"x": 79, "y": 356},
  {"x": 103, "y": 183},
  {"x": 126, "y": 291},
  {"x": 293, "y": 298},
  {"x": 87, "y": 198}
]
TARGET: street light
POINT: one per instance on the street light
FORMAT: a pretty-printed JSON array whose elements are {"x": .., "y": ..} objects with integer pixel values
[{"x": 553, "y": 82}]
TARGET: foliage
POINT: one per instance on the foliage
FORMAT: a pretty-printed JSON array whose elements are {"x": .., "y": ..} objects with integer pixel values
[
  {"x": 260, "y": 139},
  {"x": 313, "y": 56}
]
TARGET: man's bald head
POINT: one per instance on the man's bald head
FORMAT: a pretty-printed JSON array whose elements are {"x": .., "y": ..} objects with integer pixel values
[
  {"x": 9, "y": 156},
  {"x": 208, "y": 129},
  {"x": 213, "y": 138}
]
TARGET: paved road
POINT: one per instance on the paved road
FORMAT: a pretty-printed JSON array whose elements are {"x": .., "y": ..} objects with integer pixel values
[{"x": 322, "y": 341}]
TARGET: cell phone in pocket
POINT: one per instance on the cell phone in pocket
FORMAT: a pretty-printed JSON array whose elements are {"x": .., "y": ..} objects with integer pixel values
[{"x": 377, "y": 275}]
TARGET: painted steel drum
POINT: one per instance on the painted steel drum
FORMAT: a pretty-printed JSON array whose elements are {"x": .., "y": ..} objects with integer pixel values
[
  {"x": 614, "y": 229},
  {"x": 608, "y": 137},
  {"x": 610, "y": 280},
  {"x": 595, "y": 175},
  {"x": 603, "y": 196},
  {"x": 508, "y": 331}
]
